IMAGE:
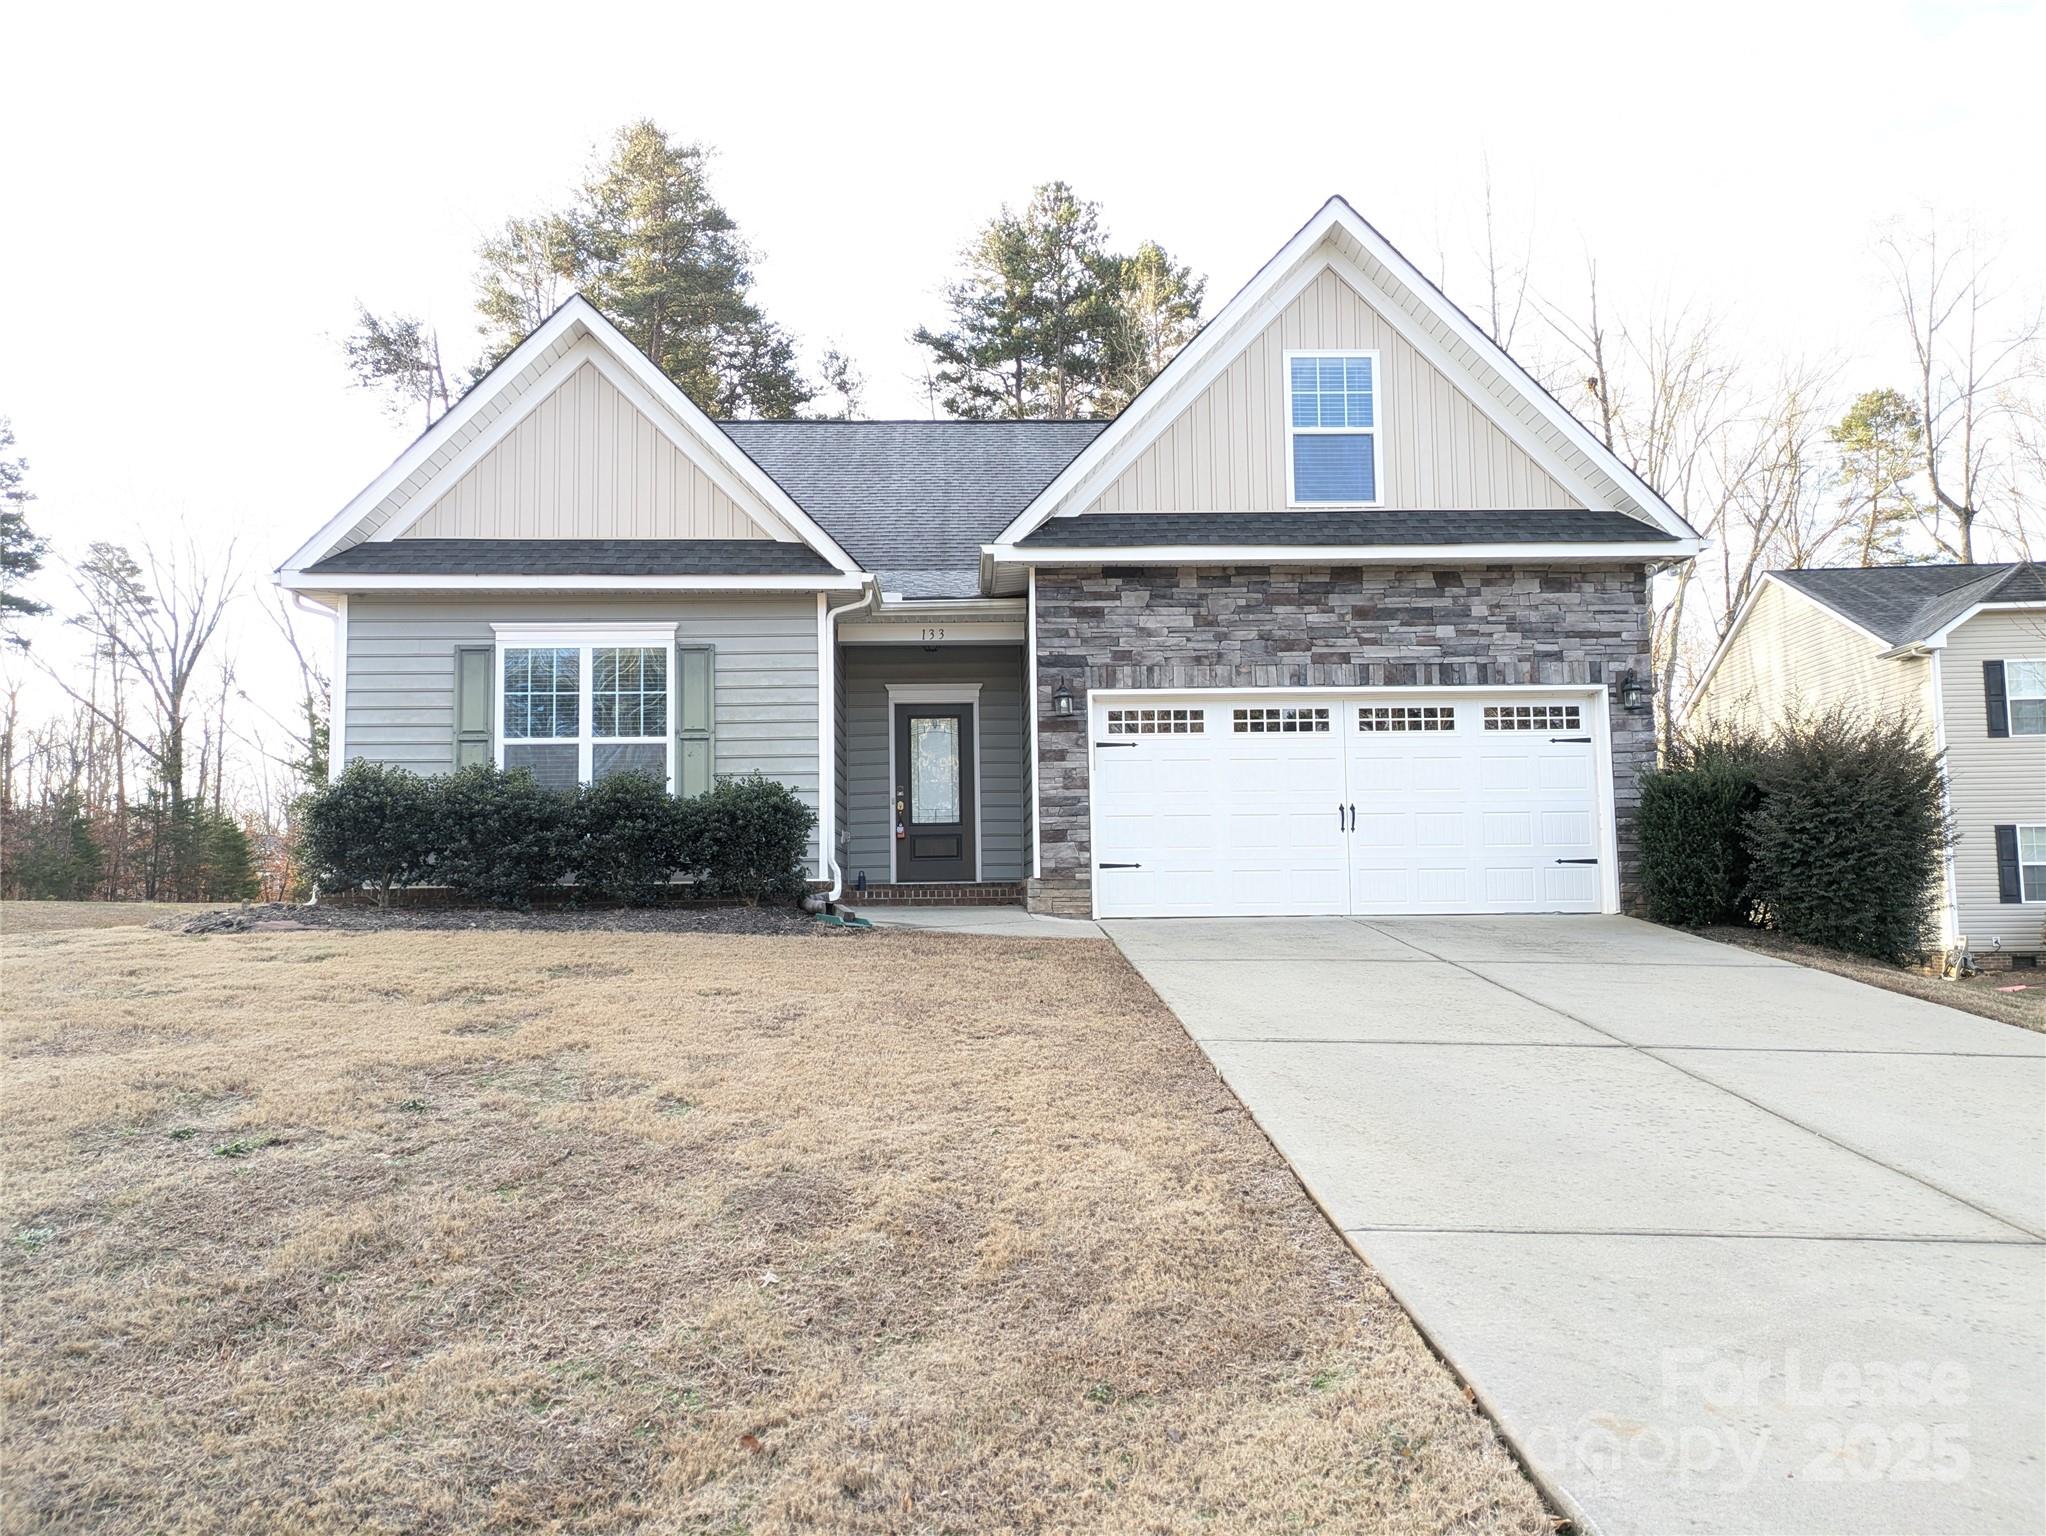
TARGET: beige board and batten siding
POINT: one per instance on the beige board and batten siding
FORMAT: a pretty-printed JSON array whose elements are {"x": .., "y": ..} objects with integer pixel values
[
  {"x": 1992, "y": 781},
  {"x": 869, "y": 814},
  {"x": 586, "y": 464},
  {"x": 1793, "y": 656},
  {"x": 1226, "y": 452},
  {"x": 401, "y": 672}
]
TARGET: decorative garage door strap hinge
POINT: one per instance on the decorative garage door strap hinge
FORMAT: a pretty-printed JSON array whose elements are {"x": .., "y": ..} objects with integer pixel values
[
  {"x": 1121, "y": 866},
  {"x": 1115, "y": 743},
  {"x": 1557, "y": 740},
  {"x": 1577, "y": 861}
]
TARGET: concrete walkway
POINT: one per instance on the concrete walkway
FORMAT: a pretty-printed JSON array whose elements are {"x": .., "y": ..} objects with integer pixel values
[
  {"x": 995, "y": 922},
  {"x": 1725, "y": 1244}
]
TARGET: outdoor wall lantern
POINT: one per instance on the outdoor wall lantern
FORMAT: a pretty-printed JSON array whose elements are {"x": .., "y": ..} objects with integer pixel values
[
  {"x": 1062, "y": 699},
  {"x": 1633, "y": 696}
]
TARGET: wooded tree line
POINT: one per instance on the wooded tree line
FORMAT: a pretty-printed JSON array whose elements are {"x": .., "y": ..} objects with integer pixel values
[
  {"x": 139, "y": 790},
  {"x": 166, "y": 779}
]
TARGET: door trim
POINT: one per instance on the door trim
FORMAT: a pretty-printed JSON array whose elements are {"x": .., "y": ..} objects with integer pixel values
[
  {"x": 966, "y": 695},
  {"x": 1602, "y": 754}
]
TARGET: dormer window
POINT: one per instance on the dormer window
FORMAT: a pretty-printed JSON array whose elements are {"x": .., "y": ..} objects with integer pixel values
[{"x": 1332, "y": 428}]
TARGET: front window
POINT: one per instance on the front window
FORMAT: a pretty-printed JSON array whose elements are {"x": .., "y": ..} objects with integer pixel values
[
  {"x": 577, "y": 709},
  {"x": 1332, "y": 428},
  {"x": 2032, "y": 863},
  {"x": 2025, "y": 682}
]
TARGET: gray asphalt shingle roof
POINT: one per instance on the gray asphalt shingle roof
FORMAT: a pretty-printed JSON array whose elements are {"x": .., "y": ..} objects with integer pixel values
[
  {"x": 913, "y": 501},
  {"x": 576, "y": 557},
  {"x": 1905, "y": 603},
  {"x": 1125, "y": 530}
]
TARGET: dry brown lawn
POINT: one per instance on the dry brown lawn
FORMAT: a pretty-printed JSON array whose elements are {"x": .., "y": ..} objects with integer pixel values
[
  {"x": 613, "y": 1232},
  {"x": 45, "y": 916}
]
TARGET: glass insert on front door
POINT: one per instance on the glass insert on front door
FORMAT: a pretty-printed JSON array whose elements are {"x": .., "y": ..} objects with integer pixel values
[{"x": 933, "y": 769}]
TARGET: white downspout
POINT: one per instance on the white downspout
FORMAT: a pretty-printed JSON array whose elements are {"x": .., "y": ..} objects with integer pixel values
[{"x": 827, "y": 729}]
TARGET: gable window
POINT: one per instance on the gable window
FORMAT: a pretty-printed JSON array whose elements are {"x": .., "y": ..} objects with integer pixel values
[
  {"x": 1332, "y": 428},
  {"x": 578, "y": 705},
  {"x": 2025, "y": 682}
]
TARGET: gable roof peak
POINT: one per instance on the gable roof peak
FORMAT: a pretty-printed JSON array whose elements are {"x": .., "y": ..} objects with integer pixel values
[{"x": 1337, "y": 236}]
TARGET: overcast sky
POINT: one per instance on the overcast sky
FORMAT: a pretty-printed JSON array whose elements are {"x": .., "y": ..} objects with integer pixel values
[{"x": 196, "y": 197}]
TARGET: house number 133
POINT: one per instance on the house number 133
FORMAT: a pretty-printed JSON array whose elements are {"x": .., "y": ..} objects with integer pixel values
[{"x": 934, "y": 634}]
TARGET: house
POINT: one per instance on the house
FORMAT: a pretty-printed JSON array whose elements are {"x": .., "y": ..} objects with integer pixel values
[
  {"x": 1343, "y": 614},
  {"x": 1960, "y": 647}
]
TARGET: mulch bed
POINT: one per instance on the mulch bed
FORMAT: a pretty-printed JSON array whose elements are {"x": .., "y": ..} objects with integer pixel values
[{"x": 284, "y": 917}]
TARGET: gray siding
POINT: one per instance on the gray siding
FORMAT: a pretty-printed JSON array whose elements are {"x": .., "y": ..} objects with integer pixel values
[
  {"x": 1004, "y": 814},
  {"x": 1991, "y": 780},
  {"x": 401, "y": 672}
]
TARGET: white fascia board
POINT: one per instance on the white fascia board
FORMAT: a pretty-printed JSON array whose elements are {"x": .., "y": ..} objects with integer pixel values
[
  {"x": 909, "y": 608},
  {"x": 1341, "y": 554},
  {"x": 651, "y": 385},
  {"x": 1264, "y": 296},
  {"x": 329, "y": 581}
]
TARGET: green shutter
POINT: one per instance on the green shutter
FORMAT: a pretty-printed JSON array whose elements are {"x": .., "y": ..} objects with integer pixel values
[
  {"x": 696, "y": 747},
  {"x": 474, "y": 669}
]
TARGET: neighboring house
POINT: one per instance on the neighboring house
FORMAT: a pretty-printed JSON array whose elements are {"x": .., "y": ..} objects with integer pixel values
[
  {"x": 1343, "y": 614},
  {"x": 1960, "y": 647}
]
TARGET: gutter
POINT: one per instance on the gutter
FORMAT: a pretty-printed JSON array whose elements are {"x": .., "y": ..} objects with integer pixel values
[{"x": 827, "y": 727}]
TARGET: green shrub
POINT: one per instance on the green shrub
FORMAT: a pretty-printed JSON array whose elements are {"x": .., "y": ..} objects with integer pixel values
[
  {"x": 628, "y": 838},
  {"x": 1694, "y": 857},
  {"x": 746, "y": 840},
  {"x": 372, "y": 827},
  {"x": 1846, "y": 838},
  {"x": 499, "y": 834}
]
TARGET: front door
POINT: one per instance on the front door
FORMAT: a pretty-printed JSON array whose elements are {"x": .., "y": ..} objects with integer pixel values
[{"x": 934, "y": 810}]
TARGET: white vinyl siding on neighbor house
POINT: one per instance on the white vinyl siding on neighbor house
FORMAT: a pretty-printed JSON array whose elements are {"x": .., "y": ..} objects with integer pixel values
[
  {"x": 869, "y": 826},
  {"x": 586, "y": 463},
  {"x": 1227, "y": 451},
  {"x": 1992, "y": 781},
  {"x": 1792, "y": 654},
  {"x": 400, "y": 681}
]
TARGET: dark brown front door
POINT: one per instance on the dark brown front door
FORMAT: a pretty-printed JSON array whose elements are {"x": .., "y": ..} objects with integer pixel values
[{"x": 933, "y": 792}]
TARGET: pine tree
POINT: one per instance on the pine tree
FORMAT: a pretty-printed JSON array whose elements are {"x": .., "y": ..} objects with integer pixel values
[
  {"x": 1047, "y": 322},
  {"x": 648, "y": 243},
  {"x": 21, "y": 552},
  {"x": 1881, "y": 443},
  {"x": 1155, "y": 310}
]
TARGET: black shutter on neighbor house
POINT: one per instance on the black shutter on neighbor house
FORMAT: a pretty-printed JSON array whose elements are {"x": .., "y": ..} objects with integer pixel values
[
  {"x": 1997, "y": 698},
  {"x": 2009, "y": 879},
  {"x": 474, "y": 666}
]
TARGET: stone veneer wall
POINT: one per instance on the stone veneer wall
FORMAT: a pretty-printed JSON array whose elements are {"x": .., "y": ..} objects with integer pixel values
[{"x": 1320, "y": 626}]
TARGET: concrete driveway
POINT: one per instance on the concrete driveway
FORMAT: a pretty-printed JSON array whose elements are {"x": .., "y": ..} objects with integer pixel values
[{"x": 1725, "y": 1244}]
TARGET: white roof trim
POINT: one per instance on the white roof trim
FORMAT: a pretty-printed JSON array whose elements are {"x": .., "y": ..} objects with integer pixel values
[
  {"x": 624, "y": 365},
  {"x": 345, "y": 581},
  {"x": 1262, "y": 299},
  {"x": 1336, "y": 554}
]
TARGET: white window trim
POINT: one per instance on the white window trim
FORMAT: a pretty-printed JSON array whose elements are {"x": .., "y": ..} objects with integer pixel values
[
  {"x": 586, "y": 638},
  {"x": 1293, "y": 501},
  {"x": 967, "y": 694},
  {"x": 2012, "y": 696},
  {"x": 2022, "y": 828}
]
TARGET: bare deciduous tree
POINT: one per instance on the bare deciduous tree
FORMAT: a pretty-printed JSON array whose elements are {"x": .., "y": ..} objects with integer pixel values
[{"x": 1972, "y": 357}]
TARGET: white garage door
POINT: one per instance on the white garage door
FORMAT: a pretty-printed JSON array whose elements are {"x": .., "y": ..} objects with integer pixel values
[{"x": 1282, "y": 804}]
